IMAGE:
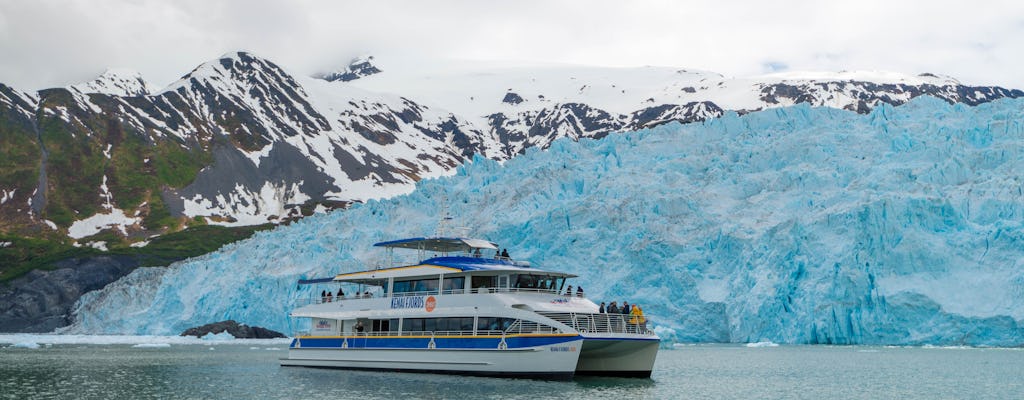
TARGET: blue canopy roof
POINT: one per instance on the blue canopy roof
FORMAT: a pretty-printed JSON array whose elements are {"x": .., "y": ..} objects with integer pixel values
[{"x": 440, "y": 244}]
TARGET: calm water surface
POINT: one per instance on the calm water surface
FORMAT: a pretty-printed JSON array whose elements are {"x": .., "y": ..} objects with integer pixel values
[{"x": 241, "y": 371}]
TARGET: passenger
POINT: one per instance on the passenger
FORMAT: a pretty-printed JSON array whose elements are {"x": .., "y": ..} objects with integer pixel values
[
  {"x": 613, "y": 308},
  {"x": 504, "y": 254},
  {"x": 340, "y": 294},
  {"x": 636, "y": 316},
  {"x": 323, "y": 296},
  {"x": 579, "y": 291},
  {"x": 601, "y": 309},
  {"x": 476, "y": 253},
  {"x": 497, "y": 254},
  {"x": 328, "y": 297},
  {"x": 568, "y": 291},
  {"x": 625, "y": 307},
  {"x": 359, "y": 327}
]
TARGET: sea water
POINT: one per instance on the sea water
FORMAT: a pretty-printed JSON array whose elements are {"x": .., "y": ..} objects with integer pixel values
[{"x": 250, "y": 370}]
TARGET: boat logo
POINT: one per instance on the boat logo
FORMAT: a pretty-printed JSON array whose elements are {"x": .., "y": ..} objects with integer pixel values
[
  {"x": 431, "y": 303},
  {"x": 323, "y": 324},
  {"x": 560, "y": 301}
]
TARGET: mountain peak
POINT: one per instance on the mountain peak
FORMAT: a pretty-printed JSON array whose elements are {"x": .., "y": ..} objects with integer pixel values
[
  {"x": 357, "y": 68},
  {"x": 231, "y": 66},
  {"x": 117, "y": 82}
]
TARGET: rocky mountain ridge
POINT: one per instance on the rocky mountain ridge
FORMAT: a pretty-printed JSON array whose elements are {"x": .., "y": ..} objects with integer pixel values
[{"x": 241, "y": 141}]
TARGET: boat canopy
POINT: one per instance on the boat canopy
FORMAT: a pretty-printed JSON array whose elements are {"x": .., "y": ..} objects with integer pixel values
[
  {"x": 440, "y": 244},
  {"x": 446, "y": 265}
]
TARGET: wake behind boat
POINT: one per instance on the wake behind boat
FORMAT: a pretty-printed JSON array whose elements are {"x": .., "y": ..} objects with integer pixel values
[{"x": 456, "y": 311}]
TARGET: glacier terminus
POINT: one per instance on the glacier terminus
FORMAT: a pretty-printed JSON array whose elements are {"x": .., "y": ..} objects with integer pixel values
[{"x": 799, "y": 224}]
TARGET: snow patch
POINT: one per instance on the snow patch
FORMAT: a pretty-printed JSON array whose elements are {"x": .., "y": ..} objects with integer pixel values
[
  {"x": 6, "y": 195},
  {"x": 115, "y": 219}
]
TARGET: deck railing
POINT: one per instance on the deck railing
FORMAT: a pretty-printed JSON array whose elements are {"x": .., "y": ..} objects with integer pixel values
[
  {"x": 447, "y": 292},
  {"x": 601, "y": 323}
]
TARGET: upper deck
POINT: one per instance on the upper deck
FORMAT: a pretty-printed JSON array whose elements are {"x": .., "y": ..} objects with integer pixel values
[{"x": 453, "y": 257}]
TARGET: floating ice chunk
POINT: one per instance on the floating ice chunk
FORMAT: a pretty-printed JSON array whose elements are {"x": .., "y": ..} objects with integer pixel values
[
  {"x": 763, "y": 343},
  {"x": 217, "y": 337},
  {"x": 152, "y": 345},
  {"x": 26, "y": 345}
]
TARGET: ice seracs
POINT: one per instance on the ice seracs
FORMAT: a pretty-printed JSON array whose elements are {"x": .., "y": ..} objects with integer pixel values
[{"x": 794, "y": 225}]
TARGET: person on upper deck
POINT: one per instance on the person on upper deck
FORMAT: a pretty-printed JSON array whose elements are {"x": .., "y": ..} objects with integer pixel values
[
  {"x": 340, "y": 294},
  {"x": 504, "y": 254},
  {"x": 579, "y": 291},
  {"x": 323, "y": 296},
  {"x": 476, "y": 253},
  {"x": 625, "y": 307},
  {"x": 601, "y": 308},
  {"x": 636, "y": 316},
  {"x": 568, "y": 291},
  {"x": 613, "y": 308}
]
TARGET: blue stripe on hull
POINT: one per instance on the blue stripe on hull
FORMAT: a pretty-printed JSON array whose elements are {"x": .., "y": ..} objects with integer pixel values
[{"x": 514, "y": 342}]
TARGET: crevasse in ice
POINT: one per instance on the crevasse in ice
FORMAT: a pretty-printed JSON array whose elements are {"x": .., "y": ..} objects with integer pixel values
[{"x": 791, "y": 225}]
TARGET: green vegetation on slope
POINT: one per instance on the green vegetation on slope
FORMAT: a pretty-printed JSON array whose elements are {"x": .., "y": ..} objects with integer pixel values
[{"x": 24, "y": 254}]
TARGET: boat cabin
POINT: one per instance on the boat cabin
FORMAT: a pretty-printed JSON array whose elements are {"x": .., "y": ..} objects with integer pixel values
[{"x": 446, "y": 266}]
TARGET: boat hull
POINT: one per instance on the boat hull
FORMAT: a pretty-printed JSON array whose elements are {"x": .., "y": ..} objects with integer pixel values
[
  {"x": 546, "y": 361},
  {"x": 617, "y": 356}
]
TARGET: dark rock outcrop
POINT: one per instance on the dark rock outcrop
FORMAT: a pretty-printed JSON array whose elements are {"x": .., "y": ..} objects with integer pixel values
[
  {"x": 240, "y": 331},
  {"x": 512, "y": 98},
  {"x": 41, "y": 301}
]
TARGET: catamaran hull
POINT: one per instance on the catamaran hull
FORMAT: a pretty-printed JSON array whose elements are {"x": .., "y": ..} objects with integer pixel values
[
  {"x": 545, "y": 362},
  {"x": 624, "y": 357}
]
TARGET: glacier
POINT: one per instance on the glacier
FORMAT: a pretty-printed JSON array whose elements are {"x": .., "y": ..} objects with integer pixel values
[{"x": 791, "y": 225}]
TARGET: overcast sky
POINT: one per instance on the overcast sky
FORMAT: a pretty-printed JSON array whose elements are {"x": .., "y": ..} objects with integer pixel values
[{"x": 45, "y": 43}]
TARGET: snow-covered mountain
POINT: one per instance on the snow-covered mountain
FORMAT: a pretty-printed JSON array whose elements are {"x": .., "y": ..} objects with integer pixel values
[
  {"x": 116, "y": 82},
  {"x": 794, "y": 225},
  {"x": 357, "y": 68},
  {"x": 242, "y": 141}
]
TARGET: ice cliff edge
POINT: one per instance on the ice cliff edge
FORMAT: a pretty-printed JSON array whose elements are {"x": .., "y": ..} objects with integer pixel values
[{"x": 794, "y": 225}]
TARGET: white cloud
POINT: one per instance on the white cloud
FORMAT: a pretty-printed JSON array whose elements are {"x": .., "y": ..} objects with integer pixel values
[{"x": 52, "y": 43}]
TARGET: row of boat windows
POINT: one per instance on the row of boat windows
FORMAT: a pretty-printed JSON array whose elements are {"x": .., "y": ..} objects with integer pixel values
[
  {"x": 442, "y": 324},
  {"x": 524, "y": 281}
]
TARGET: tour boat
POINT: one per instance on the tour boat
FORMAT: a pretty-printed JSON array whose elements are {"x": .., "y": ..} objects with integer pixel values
[{"x": 461, "y": 307}]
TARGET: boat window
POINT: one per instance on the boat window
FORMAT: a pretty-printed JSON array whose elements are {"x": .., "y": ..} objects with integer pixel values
[
  {"x": 454, "y": 284},
  {"x": 430, "y": 324},
  {"x": 384, "y": 325},
  {"x": 493, "y": 323},
  {"x": 412, "y": 325},
  {"x": 484, "y": 281},
  {"x": 419, "y": 285}
]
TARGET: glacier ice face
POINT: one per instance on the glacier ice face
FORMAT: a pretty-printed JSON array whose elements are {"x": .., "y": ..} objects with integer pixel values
[{"x": 791, "y": 225}]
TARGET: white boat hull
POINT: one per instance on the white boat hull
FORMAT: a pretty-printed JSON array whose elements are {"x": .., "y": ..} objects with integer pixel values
[
  {"x": 617, "y": 356},
  {"x": 548, "y": 361}
]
